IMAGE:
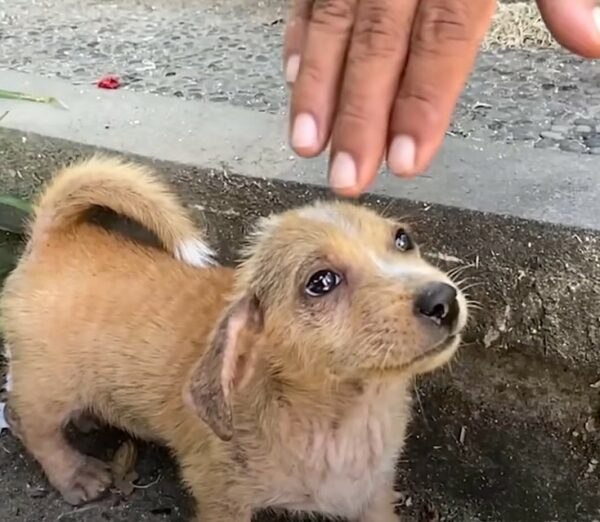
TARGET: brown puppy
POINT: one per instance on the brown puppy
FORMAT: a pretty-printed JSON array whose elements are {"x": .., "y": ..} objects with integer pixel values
[{"x": 284, "y": 384}]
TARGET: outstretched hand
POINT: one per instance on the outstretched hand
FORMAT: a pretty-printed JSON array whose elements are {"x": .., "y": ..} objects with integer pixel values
[{"x": 381, "y": 78}]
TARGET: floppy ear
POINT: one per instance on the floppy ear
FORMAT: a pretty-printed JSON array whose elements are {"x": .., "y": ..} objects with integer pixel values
[{"x": 226, "y": 366}]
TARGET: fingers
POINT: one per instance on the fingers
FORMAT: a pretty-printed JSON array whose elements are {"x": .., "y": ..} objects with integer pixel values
[
  {"x": 295, "y": 35},
  {"x": 574, "y": 23},
  {"x": 376, "y": 56},
  {"x": 446, "y": 37},
  {"x": 315, "y": 92}
]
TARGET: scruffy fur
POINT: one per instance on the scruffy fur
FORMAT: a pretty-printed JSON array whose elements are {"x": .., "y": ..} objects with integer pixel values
[{"x": 268, "y": 397}]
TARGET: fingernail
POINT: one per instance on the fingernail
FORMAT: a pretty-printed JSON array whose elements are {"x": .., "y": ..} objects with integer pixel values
[
  {"x": 596, "y": 16},
  {"x": 304, "y": 132},
  {"x": 401, "y": 155},
  {"x": 343, "y": 173},
  {"x": 292, "y": 67}
]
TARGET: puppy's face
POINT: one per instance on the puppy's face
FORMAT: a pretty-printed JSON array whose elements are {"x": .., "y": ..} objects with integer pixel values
[
  {"x": 330, "y": 286},
  {"x": 347, "y": 290}
]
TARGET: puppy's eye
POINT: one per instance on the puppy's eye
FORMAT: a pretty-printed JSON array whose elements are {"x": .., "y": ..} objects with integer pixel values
[
  {"x": 322, "y": 282},
  {"x": 403, "y": 241}
]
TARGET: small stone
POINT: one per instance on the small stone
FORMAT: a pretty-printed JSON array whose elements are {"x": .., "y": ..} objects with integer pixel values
[
  {"x": 565, "y": 87},
  {"x": 595, "y": 151},
  {"x": 561, "y": 129},
  {"x": 583, "y": 129},
  {"x": 585, "y": 121},
  {"x": 549, "y": 135},
  {"x": 592, "y": 141},
  {"x": 571, "y": 146},
  {"x": 524, "y": 134},
  {"x": 545, "y": 144},
  {"x": 590, "y": 425}
]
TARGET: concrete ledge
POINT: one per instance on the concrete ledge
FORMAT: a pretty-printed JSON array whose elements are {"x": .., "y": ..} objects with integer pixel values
[{"x": 548, "y": 186}]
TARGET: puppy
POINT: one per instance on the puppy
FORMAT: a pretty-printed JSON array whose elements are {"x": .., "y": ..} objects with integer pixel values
[{"x": 282, "y": 384}]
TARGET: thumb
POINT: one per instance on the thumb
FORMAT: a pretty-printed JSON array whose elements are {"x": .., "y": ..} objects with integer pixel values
[{"x": 574, "y": 23}]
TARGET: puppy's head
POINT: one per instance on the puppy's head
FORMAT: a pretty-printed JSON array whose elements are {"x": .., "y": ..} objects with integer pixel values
[{"x": 330, "y": 286}]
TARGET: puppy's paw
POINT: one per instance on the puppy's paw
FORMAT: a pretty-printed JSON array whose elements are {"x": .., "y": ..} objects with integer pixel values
[{"x": 89, "y": 482}]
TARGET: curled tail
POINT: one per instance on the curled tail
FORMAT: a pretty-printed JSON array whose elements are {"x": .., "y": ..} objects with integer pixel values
[{"x": 127, "y": 189}]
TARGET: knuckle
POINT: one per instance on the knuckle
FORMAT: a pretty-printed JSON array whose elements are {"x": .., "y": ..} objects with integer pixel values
[
  {"x": 312, "y": 73},
  {"x": 333, "y": 15},
  {"x": 353, "y": 115},
  {"x": 378, "y": 32},
  {"x": 301, "y": 9},
  {"x": 444, "y": 24},
  {"x": 424, "y": 101}
]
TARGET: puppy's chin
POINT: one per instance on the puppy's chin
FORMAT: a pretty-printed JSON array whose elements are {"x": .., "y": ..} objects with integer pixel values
[
  {"x": 437, "y": 357},
  {"x": 431, "y": 360}
]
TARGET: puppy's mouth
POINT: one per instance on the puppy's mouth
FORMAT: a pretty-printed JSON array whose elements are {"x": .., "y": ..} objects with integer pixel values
[{"x": 449, "y": 344}]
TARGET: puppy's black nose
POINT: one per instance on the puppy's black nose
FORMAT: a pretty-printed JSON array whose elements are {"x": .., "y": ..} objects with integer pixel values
[{"x": 438, "y": 302}]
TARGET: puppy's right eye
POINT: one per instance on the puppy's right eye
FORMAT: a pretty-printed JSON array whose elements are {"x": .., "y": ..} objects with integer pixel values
[{"x": 322, "y": 282}]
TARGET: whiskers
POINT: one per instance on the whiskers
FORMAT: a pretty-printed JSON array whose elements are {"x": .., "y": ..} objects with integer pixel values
[
  {"x": 466, "y": 284},
  {"x": 383, "y": 363}
]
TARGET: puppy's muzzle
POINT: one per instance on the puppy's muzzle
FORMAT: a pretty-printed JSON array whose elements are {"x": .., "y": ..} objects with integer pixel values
[{"x": 438, "y": 304}]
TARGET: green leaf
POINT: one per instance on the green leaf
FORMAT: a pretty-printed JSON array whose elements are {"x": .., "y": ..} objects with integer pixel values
[
  {"x": 23, "y": 96},
  {"x": 14, "y": 213}
]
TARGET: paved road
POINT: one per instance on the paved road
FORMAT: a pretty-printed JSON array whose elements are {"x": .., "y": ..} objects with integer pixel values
[{"x": 229, "y": 52}]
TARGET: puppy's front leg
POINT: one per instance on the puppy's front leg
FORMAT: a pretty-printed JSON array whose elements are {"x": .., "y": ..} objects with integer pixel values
[
  {"x": 382, "y": 505},
  {"x": 218, "y": 499}
]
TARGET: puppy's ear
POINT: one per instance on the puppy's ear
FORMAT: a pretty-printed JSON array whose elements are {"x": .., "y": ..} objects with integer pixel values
[{"x": 227, "y": 365}]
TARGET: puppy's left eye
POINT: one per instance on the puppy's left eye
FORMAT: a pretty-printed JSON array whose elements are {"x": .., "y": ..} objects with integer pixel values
[
  {"x": 403, "y": 241},
  {"x": 322, "y": 282}
]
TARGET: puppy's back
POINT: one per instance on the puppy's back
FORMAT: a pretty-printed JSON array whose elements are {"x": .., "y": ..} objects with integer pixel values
[
  {"x": 94, "y": 315},
  {"x": 86, "y": 305}
]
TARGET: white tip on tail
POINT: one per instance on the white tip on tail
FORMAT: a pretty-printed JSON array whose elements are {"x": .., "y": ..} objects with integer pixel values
[{"x": 195, "y": 252}]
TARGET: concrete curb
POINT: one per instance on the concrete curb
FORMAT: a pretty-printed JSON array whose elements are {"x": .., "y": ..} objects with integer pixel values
[{"x": 548, "y": 186}]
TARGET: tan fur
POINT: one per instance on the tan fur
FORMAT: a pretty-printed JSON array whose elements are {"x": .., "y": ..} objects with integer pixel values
[
  {"x": 268, "y": 398},
  {"x": 127, "y": 189}
]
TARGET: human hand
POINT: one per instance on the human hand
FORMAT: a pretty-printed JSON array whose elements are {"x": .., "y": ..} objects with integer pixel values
[{"x": 381, "y": 78}]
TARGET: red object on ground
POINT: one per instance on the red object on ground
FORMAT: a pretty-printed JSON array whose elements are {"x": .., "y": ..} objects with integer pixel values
[{"x": 109, "y": 82}]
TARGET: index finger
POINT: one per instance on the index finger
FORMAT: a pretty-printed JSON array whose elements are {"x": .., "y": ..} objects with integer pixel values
[{"x": 295, "y": 35}]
